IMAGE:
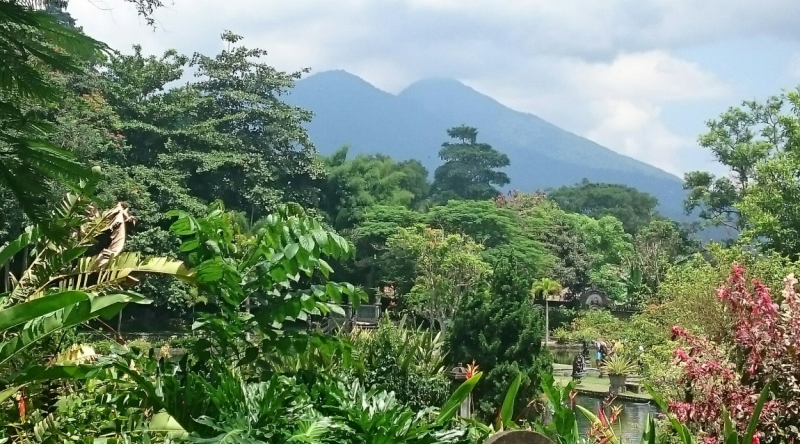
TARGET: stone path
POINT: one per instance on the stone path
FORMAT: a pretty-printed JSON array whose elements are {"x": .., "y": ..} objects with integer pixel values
[{"x": 592, "y": 384}]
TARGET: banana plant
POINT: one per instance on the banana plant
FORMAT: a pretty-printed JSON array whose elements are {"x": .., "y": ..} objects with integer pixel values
[
  {"x": 563, "y": 428},
  {"x": 60, "y": 286}
]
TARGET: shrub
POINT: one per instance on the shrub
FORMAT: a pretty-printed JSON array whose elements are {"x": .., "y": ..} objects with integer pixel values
[
  {"x": 408, "y": 362},
  {"x": 502, "y": 332},
  {"x": 562, "y": 335},
  {"x": 763, "y": 351},
  {"x": 619, "y": 365}
]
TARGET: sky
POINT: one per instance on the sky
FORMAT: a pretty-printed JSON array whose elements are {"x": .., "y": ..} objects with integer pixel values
[{"x": 640, "y": 77}]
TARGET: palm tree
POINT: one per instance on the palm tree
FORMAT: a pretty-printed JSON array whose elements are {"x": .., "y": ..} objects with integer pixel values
[
  {"x": 546, "y": 287},
  {"x": 33, "y": 44}
]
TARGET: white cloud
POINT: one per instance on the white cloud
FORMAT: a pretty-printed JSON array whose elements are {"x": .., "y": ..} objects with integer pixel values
[
  {"x": 655, "y": 75},
  {"x": 617, "y": 103},
  {"x": 635, "y": 129},
  {"x": 603, "y": 69}
]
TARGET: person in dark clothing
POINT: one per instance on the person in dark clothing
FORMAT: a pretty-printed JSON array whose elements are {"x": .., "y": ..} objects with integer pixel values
[
  {"x": 578, "y": 367},
  {"x": 603, "y": 351}
]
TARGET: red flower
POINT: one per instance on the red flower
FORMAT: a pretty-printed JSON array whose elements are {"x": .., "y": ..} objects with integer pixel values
[
  {"x": 21, "y": 405},
  {"x": 764, "y": 348}
]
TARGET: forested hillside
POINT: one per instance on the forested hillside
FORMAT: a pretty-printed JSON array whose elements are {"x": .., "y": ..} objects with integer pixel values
[{"x": 349, "y": 111}]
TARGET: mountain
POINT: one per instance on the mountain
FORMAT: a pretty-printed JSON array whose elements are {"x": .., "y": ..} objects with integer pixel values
[{"x": 350, "y": 111}]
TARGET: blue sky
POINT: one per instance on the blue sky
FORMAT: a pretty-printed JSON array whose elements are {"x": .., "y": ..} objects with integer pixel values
[{"x": 638, "y": 76}]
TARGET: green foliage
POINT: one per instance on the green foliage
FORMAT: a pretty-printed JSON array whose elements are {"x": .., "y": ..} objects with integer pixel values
[
  {"x": 502, "y": 231},
  {"x": 633, "y": 208},
  {"x": 558, "y": 232},
  {"x": 263, "y": 376},
  {"x": 609, "y": 249},
  {"x": 502, "y": 332},
  {"x": 61, "y": 286},
  {"x": 619, "y": 365},
  {"x": 32, "y": 45},
  {"x": 689, "y": 291},
  {"x": 443, "y": 268},
  {"x": 656, "y": 247},
  {"x": 409, "y": 363},
  {"x": 563, "y": 428},
  {"x": 470, "y": 168},
  {"x": 545, "y": 288},
  {"x": 561, "y": 335},
  {"x": 225, "y": 135},
  {"x": 265, "y": 270},
  {"x": 376, "y": 225},
  {"x": 755, "y": 143},
  {"x": 354, "y": 186}
]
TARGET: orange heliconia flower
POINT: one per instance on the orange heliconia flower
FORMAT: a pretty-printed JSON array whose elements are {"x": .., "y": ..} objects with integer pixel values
[{"x": 472, "y": 369}]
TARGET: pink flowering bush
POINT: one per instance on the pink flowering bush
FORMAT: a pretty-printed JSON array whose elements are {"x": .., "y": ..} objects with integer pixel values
[{"x": 765, "y": 349}]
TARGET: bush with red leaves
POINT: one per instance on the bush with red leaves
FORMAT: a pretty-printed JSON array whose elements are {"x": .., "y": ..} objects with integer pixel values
[{"x": 765, "y": 349}]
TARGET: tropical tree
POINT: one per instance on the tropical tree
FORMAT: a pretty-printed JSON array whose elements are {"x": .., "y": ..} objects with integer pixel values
[
  {"x": 559, "y": 233},
  {"x": 444, "y": 268},
  {"x": 656, "y": 247},
  {"x": 501, "y": 330},
  {"x": 374, "y": 228},
  {"x": 740, "y": 139},
  {"x": 34, "y": 44},
  {"x": 470, "y": 168},
  {"x": 355, "y": 185},
  {"x": 632, "y": 207},
  {"x": 225, "y": 136},
  {"x": 500, "y": 230}
]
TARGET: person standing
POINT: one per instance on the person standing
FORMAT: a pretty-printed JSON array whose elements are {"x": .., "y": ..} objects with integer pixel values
[{"x": 598, "y": 354}]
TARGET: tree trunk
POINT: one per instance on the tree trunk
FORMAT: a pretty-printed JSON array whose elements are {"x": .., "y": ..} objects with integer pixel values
[
  {"x": 24, "y": 261},
  {"x": 442, "y": 326},
  {"x": 247, "y": 308},
  {"x": 546, "y": 322},
  {"x": 119, "y": 323},
  {"x": 7, "y": 277}
]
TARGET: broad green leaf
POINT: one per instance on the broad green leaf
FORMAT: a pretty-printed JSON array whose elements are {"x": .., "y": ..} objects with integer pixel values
[
  {"x": 9, "y": 392},
  {"x": 729, "y": 434},
  {"x": 507, "y": 411},
  {"x": 649, "y": 434},
  {"x": 291, "y": 250},
  {"x": 320, "y": 236},
  {"x": 23, "y": 240},
  {"x": 30, "y": 310},
  {"x": 307, "y": 242},
  {"x": 163, "y": 422},
  {"x": 454, "y": 402},
  {"x": 68, "y": 317},
  {"x": 751, "y": 427}
]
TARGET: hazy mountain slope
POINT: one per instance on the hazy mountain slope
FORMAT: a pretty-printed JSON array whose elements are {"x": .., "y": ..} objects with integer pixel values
[{"x": 349, "y": 111}]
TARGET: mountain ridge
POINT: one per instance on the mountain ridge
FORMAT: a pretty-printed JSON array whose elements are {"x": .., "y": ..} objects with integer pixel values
[{"x": 412, "y": 124}]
